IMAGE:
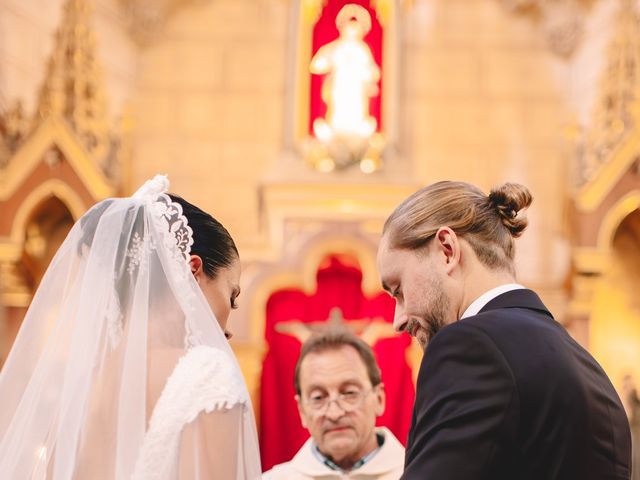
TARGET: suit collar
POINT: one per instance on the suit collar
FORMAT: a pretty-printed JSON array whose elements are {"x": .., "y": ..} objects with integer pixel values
[
  {"x": 487, "y": 296},
  {"x": 521, "y": 298}
]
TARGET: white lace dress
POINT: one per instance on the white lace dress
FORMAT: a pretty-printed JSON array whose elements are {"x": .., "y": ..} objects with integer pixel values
[{"x": 195, "y": 428}]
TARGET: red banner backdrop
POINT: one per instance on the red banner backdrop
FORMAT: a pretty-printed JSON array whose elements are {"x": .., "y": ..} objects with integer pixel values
[
  {"x": 325, "y": 31},
  {"x": 339, "y": 285}
]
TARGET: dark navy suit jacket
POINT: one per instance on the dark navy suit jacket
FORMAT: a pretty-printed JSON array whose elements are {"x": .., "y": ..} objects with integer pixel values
[{"x": 508, "y": 394}]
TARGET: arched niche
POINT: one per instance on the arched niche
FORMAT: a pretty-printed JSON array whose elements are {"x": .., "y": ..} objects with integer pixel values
[
  {"x": 53, "y": 188},
  {"x": 301, "y": 269},
  {"x": 42, "y": 224},
  {"x": 46, "y": 228},
  {"x": 623, "y": 210},
  {"x": 615, "y": 318},
  {"x": 598, "y": 211},
  {"x": 295, "y": 269}
]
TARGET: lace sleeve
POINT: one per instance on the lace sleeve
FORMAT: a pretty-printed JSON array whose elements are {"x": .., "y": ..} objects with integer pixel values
[
  {"x": 210, "y": 447},
  {"x": 204, "y": 380}
]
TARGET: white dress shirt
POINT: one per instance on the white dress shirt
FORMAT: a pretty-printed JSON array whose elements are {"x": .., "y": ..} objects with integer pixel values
[{"x": 486, "y": 297}]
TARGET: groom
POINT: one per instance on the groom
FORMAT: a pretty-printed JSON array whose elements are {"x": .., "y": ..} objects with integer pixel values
[{"x": 503, "y": 391}]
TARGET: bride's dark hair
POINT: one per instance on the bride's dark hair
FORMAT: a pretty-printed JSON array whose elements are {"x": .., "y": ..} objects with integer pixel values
[{"x": 211, "y": 241}]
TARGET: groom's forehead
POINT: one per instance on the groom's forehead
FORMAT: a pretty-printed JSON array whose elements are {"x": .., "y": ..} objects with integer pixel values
[
  {"x": 392, "y": 260},
  {"x": 384, "y": 250}
]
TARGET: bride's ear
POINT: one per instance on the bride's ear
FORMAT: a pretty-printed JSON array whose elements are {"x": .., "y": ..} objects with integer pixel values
[{"x": 195, "y": 264}]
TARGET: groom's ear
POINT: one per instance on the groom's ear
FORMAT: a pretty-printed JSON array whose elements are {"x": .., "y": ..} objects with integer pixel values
[{"x": 195, "y": 264}]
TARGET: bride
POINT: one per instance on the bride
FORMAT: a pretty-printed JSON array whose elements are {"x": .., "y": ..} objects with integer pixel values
[{"x": 121, "y": 369}]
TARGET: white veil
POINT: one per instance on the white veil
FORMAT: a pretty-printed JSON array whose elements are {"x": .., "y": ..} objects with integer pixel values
[{"x": 120, "y": 369}]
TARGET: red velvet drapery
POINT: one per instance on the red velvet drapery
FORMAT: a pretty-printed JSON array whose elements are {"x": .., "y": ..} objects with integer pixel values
[{"x": 339, "y": 285}]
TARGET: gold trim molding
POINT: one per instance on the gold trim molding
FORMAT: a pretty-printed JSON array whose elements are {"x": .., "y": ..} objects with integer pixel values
[
  {"x": 53, "y": 132},
  {"x": 52, "y": 187},
  {"x": 367, "y": 204},
  {"x": 302, "y": 276},
  {"x": 591, "y": 195},
  {"x": 611, "y": 142},
  {"x": 561, "y": 22},
  {"x": 590, "y": 260},
  {"x": 615, "y": 215},
  {"x": 16, "y": 299},
  {"x": 595, "y": 260}
]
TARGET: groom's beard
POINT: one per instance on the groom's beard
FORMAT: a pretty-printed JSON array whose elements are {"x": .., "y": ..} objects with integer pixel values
[{"x": 433, "y": 318}]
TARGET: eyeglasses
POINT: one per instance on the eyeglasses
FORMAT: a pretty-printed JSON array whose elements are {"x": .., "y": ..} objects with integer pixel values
[{"x": 347, "y": 401}]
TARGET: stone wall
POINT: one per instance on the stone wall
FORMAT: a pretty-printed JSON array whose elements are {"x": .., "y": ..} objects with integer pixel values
[
  {"x": 486, "y": 101},
  {"x": 209, "y": 107}
]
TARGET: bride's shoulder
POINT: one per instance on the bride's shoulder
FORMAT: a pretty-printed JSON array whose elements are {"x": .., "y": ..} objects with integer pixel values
[
  {"x": 206, "y": 379},
  {"x": 207, "y": 360}
]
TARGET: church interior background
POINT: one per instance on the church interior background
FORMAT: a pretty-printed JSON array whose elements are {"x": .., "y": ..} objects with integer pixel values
[{"x": 242, "y": 104}]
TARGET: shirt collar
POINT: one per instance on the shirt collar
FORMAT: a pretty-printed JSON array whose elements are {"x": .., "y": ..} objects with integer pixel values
[
  {"x": 390, "y": 457},
  {"x": 329, "y": 463},
  {"x": 486, "y": 297}
]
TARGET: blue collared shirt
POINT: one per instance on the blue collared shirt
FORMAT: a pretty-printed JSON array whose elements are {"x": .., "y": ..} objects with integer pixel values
[{"x": 329, "y": 463}]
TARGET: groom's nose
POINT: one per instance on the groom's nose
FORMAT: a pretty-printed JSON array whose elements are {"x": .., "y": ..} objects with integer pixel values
[{"x": 400, "y": 320}]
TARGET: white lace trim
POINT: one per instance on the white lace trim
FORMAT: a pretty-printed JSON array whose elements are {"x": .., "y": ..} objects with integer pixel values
[
  {"x": 176, "y": 236},
  {"x": 114, "y": 319},
  {"x": 205, "y": 379},
  {"x": 178, "y": 233},
  {"x": 138, "y": 253}
]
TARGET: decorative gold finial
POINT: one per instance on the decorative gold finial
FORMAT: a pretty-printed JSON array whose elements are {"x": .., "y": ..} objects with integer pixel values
[
  {"x": 13, "y": 129},
  {"x": 560, "y": 21},
  {"x": 617, "y": 109},
  {"x": 73, "y": 87}
]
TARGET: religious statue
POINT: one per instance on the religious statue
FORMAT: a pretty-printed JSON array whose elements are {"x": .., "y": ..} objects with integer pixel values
[
  {"x": 352, "y": 78},
  {"x": 370, "y": 330}
]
